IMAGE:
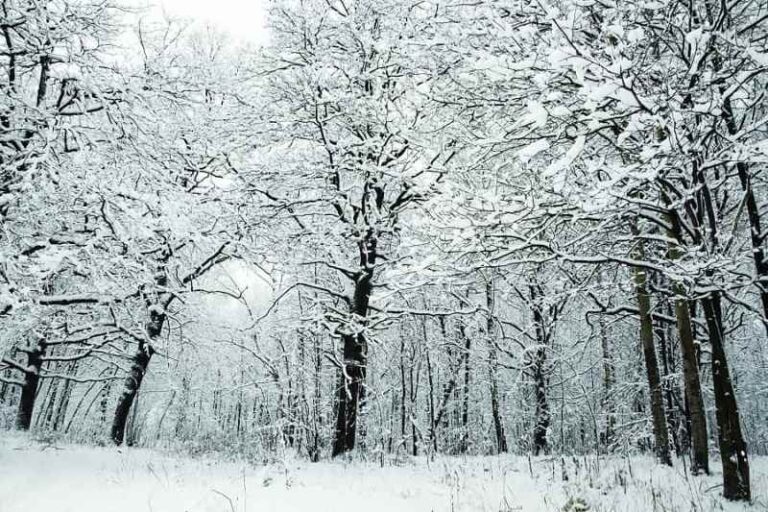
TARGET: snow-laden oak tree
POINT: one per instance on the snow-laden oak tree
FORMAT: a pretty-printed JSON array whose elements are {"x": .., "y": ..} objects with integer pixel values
[{"x": 356, "y": 145}]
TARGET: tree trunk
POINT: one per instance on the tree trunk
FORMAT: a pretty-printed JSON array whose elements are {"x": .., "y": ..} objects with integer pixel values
[
  {"x": 733, "y": 448},
  {"x": 351, "y": 393},
  {"x": 352, "y": 379},
  {"x": 29, "y": 388},
  {"x": 464, "y": 443},
  {"x": 403, "y": 389},
  {"x": 317, "y": 422},
  {"x": 607, "y": 403},
  {"x": 673, "y": 421},
  {"x": 660, "y": 432},
  {"x": 699, "y": 448},
  {"x": 132, "y": 384},
  {"x": 501, "y": 440},
  {"x": 140, "y": 360},
  {"x": 688, "y": 350},
  {"x": 302, "y": 400},
  {"x": 413, "y": 395},
  {"x": 543, "y": 417},
  {"x": 431, "y": 400}
]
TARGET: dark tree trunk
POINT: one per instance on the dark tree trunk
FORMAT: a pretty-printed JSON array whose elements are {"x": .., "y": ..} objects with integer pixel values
[
  {"x": 351, "y": 393},
  {"x": 493, "y": 367},
  {"x": 607, "y": 402},
  {"x": 352, "y": 379},
  {"x": 539, "y": 368},
  {"x": 29, "y": 388},
  {"x": 464, "y": 442},
  {"x": 302, "y": 400},
  {"x": 673, "y": 421},
  {"x": 403, "y": 389},
  {"x": 733, "y": 448},
  {"x": 140, "y": 360},
  {"x": 677, "y": 397},
  {"x": 660, "y": 432},
  {"x": 498, "y": 425},
  {"x": 689, "y": 353},
  {"x": 316, "y": 416},
  {"x": 132, "y": 384},
  {"x": 431, "y": 400},
  {"x": 698, "y": 421},
  {"x": 543, "y": 417},
  {"x": 413, "y": 383}
]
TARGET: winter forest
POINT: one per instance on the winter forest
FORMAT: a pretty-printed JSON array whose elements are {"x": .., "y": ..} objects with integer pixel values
[{"x": 436, "y": 239}]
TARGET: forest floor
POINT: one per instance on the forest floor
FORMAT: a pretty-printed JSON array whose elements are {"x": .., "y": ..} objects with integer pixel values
[{"x": 46, "y": 477}]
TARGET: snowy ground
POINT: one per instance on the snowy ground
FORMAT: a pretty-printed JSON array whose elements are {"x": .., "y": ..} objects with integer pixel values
[{"x": 38, "y": 477}]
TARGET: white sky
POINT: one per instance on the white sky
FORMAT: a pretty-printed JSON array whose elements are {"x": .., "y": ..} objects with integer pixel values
[{"x": 242, "y": 19}]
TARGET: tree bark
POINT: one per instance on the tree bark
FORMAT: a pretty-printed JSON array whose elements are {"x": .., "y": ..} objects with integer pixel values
[
  {"x": 543, "y": 416},
  {"x": 431, "y": 402},
  {"x": 352, "y": 379},
  {"x": 660, "y": 432},
  {"x": 29, "y": 388},
  {"x": 464, "y": 442},
  {"x": 607, "y": 403},
  {"x": 698, "y": 430},
  {"x": 132, "y": 384},
  {"x": 403, "y": 389},
  {"x": 699, "y": 448},
  {"x": 317, "y": 422},
  {"x": 140, "y": 360},
  {"x": 351, "y": 393},
  {"x": 733, "y": 448},
  {"x": 501, "y": 440},
  {"x": 673, "y": 420}
]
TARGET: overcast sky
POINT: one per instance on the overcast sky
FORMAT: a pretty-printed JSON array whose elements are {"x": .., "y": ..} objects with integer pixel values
[{"x": 243, "y": 19}]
